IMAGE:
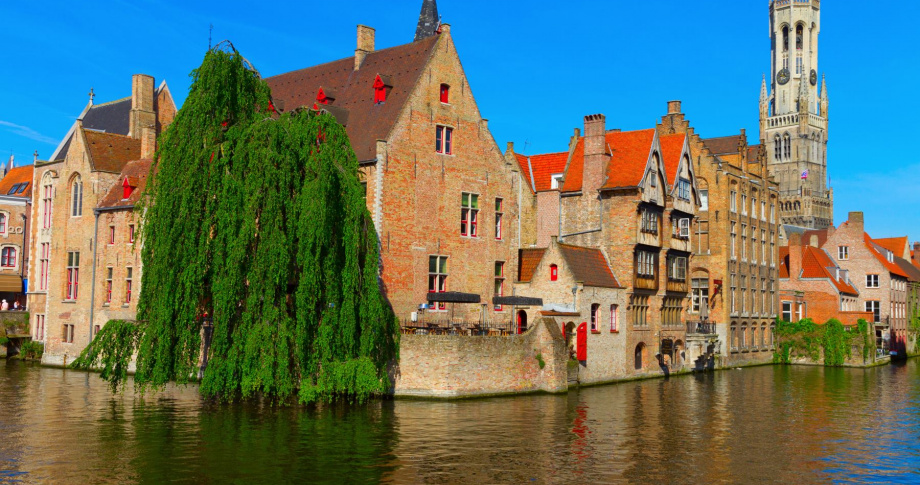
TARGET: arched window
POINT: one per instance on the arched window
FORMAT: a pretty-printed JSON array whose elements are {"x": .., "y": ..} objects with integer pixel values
[
  {"x": 76, "y": 197},
  {"x": 743, "y": 343},
  {"x": 553, "y": 272},
  {"x": 777, "y": 148},
  {"x": 8, "y": 257},
  {"x": 521, "y": 321},
  {"x": 798, "y": 37},
  {"x": 787, "y": 146},
  {"x": 595, "y": 316},
  {"x": 614, "y": 317},
  {"x": 445, "y": 94},
  {"x": 640, "y": 349},
  {"x": 785, "y": 38},
  {"x": 733, "y": 339}
]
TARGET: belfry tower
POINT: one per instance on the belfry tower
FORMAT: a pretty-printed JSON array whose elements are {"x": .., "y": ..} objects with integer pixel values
[{"x": 793, "y": 116}]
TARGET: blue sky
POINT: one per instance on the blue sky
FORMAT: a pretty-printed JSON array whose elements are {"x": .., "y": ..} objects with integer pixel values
[{"x": 535, "y": 67}]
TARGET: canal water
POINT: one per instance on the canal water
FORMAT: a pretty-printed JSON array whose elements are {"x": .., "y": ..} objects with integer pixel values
[{"x": 756, "y": 425}]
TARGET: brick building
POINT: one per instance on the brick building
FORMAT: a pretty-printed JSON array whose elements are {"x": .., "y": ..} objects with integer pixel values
[
  {"x": 814, "y": 286},
  {"x": 71, "y": 184},
  {"x": 633, "y": 196},
  {"x": 443, "y": 199},
  {"x": 15, "y": 209},
  {"x": 733, "y": 271},
  {"x": 903, "y": 257}
]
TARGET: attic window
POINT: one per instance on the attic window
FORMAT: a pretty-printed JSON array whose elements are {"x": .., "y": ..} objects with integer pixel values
[
  {"x": 22, "y": 187},
  {"x": 556, "y": 181},
  {"x": 14, "y": 189},
  {"x": 324, "y": 97},
  {"x": 445, "y": 94},
  {"x": 380, "y": 90},
  {"x": 127, "y": 189}
]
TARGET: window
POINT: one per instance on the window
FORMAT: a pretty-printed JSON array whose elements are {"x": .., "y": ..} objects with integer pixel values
[
  {"x": 699, "y": 294},
  {"x": 734, "y": 338},
  {"x": 683, "y": 189},
  {"x": 437, "y": 278},
  {"x": 129, "y": 280},
  {"x": 788, "y": 146},
  {"x": 126, "y": 189},
  {"x": 777, "y": 148},
  {"x": 645, "y": 263},
  {"x": 744, "y": 204},
  {"x": 43, "y": 277},
  {"x": 498, "y": 218},
  {"x": 556, "y": 180},
  {"x": 469, "y": 214},
  {"x": 772, "y": 248},
  {"x": 108, "y": 285},
  {"x": 443, "y": 140},
  {"x": 380, "y": 91},
  {"x": 499, "y": 282},
  {"x": 763, "y": 211},
  {"x": 653, "y": 178},
  {"x": 754, "y": 207},
  {"x": 743, "y": 294},
  {"x": 638, "y": 310},
  {"x": 843, "y": 253},
  {"x": 683, "y": 228},
  {"x": 733, "y": 291},
  {"x": 670, "y": 313},
  {"x": 76, "y": 198},
  {"x": 733, "y": 201},
  {"x": 704, "y": 200},
  {"x": 743, "y": 242},
  {"x": 871, "y": 281},
  {"x": 640, "y": 349},
  {"x": 46, "y": 206},
  {"x": 111, "y": 234},
  {"x": 130, "y": 233},
  {"x": 772, "y": 213},
  {"x": 649, "y": 221},
  {"x": 553, "y": 272},
  {"x": 753, "y": 246},
  {"x": 2, "y": 223},
  {"x": 595, "y": 316},
  {"x": 702, "y": 237},
  {"x": 614, "y": 317},
  {"x": 875, "y": 307},
  {"x": 67, "y": 333},
  {"x": 73, "y": 274},
  {"x": 734, "y": 238},
  {"x": 787, "y": 311},
  {"x": 445, "y": 94},
  {"x": 8, "y": 258},
  {"x": 677, "y": 268},
  {"x": 39, "y": 334},
  {"x": 763, "y": 247}
]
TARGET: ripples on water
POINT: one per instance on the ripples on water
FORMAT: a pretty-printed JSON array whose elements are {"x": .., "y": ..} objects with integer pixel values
[{"x": 758, "y": 425}]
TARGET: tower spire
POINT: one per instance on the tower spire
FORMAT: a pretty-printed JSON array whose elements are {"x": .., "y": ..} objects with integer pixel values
[
  {"x": 823, "y": 96},
  {"x": 428, "y": 20}
]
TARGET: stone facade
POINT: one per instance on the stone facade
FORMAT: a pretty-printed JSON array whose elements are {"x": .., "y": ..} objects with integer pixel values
[
  {"x": 63, "y": 286},
  {"x": 733, "y": 270}
]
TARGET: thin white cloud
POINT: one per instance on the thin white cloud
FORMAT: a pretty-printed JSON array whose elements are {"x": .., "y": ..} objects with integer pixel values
[{"x": 29, "y": 133}]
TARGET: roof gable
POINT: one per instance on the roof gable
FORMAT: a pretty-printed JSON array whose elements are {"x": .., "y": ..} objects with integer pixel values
[
  {"x": 672, "y": 154},
  {"x": 889, "y": 265},
  {"x": 528, "y": 260},
  {"x": 817, "y": 264},
  {"x": 354, "y": 90},
  {"x": 541, "y": 168},
  {"x": 897, "y": 245}
]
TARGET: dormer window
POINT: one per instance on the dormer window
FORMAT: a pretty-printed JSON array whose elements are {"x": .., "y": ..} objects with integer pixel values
[
  {"x": 127, "y": 187},
  {"x": 556, "y": 181},
  {"x": 380, "y": 90},
  {"x": 324, "y": 96},
  {"x": 445, "y": 94},
  {"x": 653, "y": 176}
]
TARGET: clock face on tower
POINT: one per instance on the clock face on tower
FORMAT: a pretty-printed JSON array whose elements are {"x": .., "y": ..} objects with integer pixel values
[
  {"x": 813, "y": 78},
  {"x": 782, "y": 76}
]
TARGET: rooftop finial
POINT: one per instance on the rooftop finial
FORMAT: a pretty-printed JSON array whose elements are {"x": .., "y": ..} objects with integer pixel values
[
  {"x": 91, "y": 95},
  {"x": 428, "y": 20}
]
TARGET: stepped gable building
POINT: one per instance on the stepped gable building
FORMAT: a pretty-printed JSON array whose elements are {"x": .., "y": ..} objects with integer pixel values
[
  {"x": 734, "y": 239},
  {"x": 15, "y": 212},
  {"x": 63, "y": 290},
  {"x": 443, "y": 199},
  {"x": 793, "y": 115},
  {"x": 615, "y": 193}
]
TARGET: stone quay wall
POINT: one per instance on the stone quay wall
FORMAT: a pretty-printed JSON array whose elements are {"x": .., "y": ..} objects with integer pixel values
[{"x": 457, "y": 366}]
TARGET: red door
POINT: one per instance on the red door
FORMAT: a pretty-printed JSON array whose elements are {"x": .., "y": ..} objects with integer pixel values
[{"x": 581, "y": 341}]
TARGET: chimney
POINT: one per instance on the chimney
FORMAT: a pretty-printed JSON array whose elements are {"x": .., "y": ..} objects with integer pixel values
[
  {"x": 142, "y": 113},
  {"x": 148, "y": 142},
  {"x": 855, "y": 219},
  {"x": 795, "y": 255},
  {"x": 916, "y": 255},
  {"x": 595, "y": 153},
  {"x": 674, "y": 107},
  {"x": 510, "y": 149},
  {"x": 365, "y": 44}
]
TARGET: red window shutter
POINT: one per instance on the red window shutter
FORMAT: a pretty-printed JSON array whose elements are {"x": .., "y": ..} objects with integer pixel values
[
  {"x": 553, "y": 272},
  {"x": 380, "y": 91},
  {"x": 321, "y": 97},
  {"x": 445, "y": 93},
  {"x": 581, "y": 339}
]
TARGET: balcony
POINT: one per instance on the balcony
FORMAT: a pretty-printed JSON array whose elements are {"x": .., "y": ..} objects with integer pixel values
[{"x": 701, "y": 328}]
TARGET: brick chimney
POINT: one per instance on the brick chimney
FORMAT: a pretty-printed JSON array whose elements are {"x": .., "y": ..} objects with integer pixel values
[
  {"x": 595, "y": 153},
  {"x": 365, "y": 44},
  {"x": 855, "y": 220},
  {"x": 142, "y": 109},
  {"x": 148, "y": 142},
  {"x": 916, "y": 255},
  {"x": 795, "y": 255},
  {"x": 674, "y": 107}
]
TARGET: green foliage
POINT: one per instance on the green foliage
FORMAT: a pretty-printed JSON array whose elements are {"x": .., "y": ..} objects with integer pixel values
[
  {"x": 259, "y": 222},
  {"x": 540, "y": 360},
  {"x": 805, "y": 339},
  {"x": 111, "y": 351},
  {"x": 32, "y": 350},
  {"x": 4, "y": 340}
]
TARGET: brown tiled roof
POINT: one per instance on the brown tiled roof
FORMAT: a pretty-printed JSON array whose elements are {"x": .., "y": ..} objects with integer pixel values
[
  {"x": 110, "y": 152},
  {"x": 354, "y": 90},
  {"x": 136, "y": 172},
  {"x": 589, "y": 266},
  {"x": 912, "y": 272},
  {"x": 18, "y": 175},
  {"x": 723, "y": 144},
  {"x": 752, "y": 154},
  {"x": 528, "y": 259}
]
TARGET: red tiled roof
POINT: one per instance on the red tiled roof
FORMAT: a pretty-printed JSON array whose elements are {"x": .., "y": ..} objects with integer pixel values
[
  {"x": 891, "y": 267},
  {"x": 367, "y": 122},
  {"x": 589, "y": 266},
  {"x": 110, "y": 152},
  {"x": 816, "y": 264},
  {"x": 528, "y": 259},
  {"x": 671, "y": 149},
  {"x": 784, "y": 261},
  {"x": 16, "y": 176},
  {"x": 543, "y": 166},
  {"x": 897, "y": 245},
  {"x": 136, "y": 171},
  {"x": 628, "y": 160}
]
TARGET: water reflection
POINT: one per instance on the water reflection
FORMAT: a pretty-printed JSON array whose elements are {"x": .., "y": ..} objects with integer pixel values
[{"x": 758, "y": 425}]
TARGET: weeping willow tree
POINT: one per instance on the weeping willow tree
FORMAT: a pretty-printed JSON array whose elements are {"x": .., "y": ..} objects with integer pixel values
[{"x": 256, "y": 222}]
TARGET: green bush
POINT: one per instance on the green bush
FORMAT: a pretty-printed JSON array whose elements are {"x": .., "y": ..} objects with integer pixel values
[
  {"x": 32, "y": 350},
  {"x": 805, "y": 339}
]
